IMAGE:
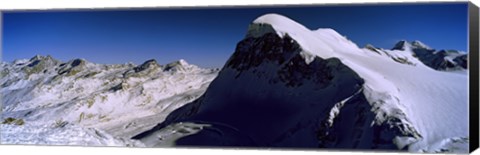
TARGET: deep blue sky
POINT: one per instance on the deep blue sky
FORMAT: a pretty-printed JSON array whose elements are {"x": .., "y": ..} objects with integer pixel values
[{"x": 207, "y": 37}]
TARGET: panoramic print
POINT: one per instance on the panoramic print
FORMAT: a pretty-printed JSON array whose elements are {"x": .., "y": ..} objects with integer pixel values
[{"x": 379, "y": 77}]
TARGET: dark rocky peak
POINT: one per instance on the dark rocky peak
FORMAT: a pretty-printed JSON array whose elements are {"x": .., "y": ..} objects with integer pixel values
[
  {"x": 179, "y": 65},
  {"x": 256, "y": 30},
  {"x": 253, "y": 51},
  {"x": 43, "y": 60},
  {"x": 38, "y": 64},
  {"x": 73, "y": 63},
  {"x": 439, "y": 60},
  {"x": 402, "y": 45},
  {"x": 40, "y": 57},
  {"x": 77, "y": 62},
  {"x": 152, "y": 63},
  {"x": 72, "y": 67},
  {"x": 462, "y": 61},
  {"x": 146, "y": 68}
]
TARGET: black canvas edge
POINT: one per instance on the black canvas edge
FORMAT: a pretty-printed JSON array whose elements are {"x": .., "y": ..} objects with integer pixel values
[
  {"x": 473, "y": 32},
  {"x": 250, "y": 6}
]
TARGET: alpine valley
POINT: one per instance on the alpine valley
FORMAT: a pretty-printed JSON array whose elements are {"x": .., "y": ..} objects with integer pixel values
[{"x": 285, "y": 86}]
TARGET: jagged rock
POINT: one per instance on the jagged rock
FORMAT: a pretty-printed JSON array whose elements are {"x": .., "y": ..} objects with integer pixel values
[
  {"x": 438, "y": 60},
  {"x": 180, "y": 65},
  {"x": 145, "y": 69},
  {"x": 152, "y": 63},
  {"x": 401, "y": 45},
  {"x": 39, "y": 64},
  {"x": 462, "y": 61},
  {"x": 72, "y": 67}
]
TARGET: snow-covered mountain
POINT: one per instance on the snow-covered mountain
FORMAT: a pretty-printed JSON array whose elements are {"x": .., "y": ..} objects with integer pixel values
[
  {"x": 291, "y": 87},
  {"x": 83, "y": 103},
  {"x": 284, "y": 86},
  {"x": 418, "y": 52}
]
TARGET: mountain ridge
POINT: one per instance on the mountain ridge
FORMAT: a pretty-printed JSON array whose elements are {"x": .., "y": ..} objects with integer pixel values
[
  {"x": 280, "y": 68},
  {"x": 119, "y": 99}
]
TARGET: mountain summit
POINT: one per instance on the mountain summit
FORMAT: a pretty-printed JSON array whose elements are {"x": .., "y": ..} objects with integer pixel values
[{"x": 288, "y": 86}]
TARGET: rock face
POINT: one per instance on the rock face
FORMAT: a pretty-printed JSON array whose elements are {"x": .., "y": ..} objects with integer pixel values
[
  {"x": 179, "y": 66},
  {"x": 462, "y": 60},
  {"x": 39, "y": 64}
]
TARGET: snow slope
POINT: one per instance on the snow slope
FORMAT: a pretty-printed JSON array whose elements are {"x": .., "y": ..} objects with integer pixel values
[
  {"x": 121, "y": 100},
  {"x": 288, "y": 86},
  {"x": 66, "y": 134},
  {"x": 435, "y": 101}
]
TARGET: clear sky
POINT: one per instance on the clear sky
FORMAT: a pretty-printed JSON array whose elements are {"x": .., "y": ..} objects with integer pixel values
[{"x": 208, "y": 36}]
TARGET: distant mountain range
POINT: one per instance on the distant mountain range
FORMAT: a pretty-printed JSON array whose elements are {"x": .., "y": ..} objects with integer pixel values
[
  {"x": 116, "y": 100},
  {"x": 443, "y": 60}
]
